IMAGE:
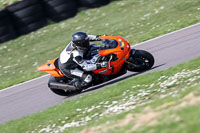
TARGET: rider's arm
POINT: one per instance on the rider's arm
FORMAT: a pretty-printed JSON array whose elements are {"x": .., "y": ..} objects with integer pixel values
[
  {"x": 85, "y": 64},
  {"x": 93, "y": 38}
]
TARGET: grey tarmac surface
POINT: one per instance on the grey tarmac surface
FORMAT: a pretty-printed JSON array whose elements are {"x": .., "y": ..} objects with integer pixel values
[{"x": 34, "y": 96}]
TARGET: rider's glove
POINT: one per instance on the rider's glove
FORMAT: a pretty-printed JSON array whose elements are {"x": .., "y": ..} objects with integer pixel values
[
  {"x": 99, "y": 39},
  {"x": 101, "y": 35},
  {"x": 102, "y": 64}
]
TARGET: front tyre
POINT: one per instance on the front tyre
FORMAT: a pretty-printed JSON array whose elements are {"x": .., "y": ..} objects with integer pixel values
[{"x": 140, "y": 60}]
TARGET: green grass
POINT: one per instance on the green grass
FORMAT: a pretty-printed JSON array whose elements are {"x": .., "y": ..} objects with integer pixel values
[
  {"x": 187, "y": 121},
  {"x": 4, "y": 3},
  {"x": 109, "y": 107},
  {"x": 137, "y": 21}
]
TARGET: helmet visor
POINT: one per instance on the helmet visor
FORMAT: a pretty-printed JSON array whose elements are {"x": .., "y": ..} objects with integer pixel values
[{"x": 84, "y": 46}]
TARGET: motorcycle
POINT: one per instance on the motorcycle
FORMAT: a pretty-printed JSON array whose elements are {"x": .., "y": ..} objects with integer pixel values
[{"x": 119, "y": 55}]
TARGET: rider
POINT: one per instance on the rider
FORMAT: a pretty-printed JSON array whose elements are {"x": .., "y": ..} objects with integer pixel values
[{"x": 74, "y": 64}]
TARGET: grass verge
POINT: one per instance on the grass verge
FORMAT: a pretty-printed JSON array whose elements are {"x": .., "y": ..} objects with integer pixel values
[
  {"x": 137, "y": 21},
  {"x": 160, "y": 102},
  {"x": 4, "y": 3}
]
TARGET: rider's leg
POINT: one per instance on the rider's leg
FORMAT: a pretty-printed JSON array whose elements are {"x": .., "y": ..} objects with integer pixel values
[
  {"x": 84, "y": 78},
  {"x": 80, "y": 78}
]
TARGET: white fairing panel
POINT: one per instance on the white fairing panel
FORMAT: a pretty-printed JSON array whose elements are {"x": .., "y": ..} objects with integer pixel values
[{"x": 64, "y": 56}]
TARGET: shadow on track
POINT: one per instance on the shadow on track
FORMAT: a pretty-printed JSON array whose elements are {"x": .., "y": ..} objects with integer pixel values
[{"x": 123, "y": 77}]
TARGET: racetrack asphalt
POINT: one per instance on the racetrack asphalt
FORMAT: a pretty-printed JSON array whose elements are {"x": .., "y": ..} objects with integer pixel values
[{"x": 34, "y": 96}]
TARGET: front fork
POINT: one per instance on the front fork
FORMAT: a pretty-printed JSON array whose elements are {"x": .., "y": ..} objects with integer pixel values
[{"x": 131, "y": 54}]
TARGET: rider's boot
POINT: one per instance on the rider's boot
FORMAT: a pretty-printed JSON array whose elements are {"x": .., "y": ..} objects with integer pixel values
[
  {"x": 81, "y": 85},
  {"x": 73, "y": 81},
  {"x": 84, "y": 82}
]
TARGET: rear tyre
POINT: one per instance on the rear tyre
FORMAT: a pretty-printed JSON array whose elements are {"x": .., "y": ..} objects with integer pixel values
[
  {"x": 7, "y": 37},
  {"x": 60, "y": 91},
  {"x": 140, "y": 60},
  {"x": 93, "y": 3},
  {"x": 21, "y": 5},
  {"x": 7, "y": 31},
  {"x": 27, "y": 16},
  {"x": 31, "y": 27},
  {"x": 58, "y": 10}
]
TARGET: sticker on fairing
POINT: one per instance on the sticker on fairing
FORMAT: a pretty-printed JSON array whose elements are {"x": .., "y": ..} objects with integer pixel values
[
  {"x": 122, "y": 44},
  {"x": 104, "y": 71}
]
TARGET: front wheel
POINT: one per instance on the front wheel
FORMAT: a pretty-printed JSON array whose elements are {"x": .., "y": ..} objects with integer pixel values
[{"x": 139, "y": 61}]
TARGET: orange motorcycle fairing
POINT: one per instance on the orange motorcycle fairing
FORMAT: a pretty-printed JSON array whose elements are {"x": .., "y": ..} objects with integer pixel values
[
  {"x": 51, "y": 68},
  {"x": 116, "y": 52},
  {"x": 122, "y": 51}
]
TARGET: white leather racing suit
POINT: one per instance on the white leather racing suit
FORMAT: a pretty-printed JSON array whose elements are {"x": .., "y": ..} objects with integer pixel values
[{"x": 71, "y": 60}]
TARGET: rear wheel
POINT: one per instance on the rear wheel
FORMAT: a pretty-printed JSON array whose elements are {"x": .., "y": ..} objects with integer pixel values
[
  {"x": 62, "y": 92},
  {"x": 140, "y": 60}
]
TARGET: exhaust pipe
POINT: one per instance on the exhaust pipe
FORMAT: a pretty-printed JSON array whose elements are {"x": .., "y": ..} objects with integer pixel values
[{"x": 61, "y": 86}]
